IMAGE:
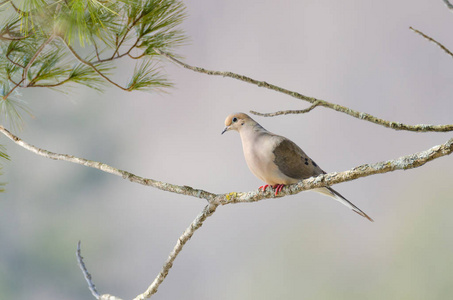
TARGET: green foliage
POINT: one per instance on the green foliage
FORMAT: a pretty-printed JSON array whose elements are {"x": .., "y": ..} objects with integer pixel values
[
  {"x": 56, "y": 44},
  {"x": 147, "y": 75}
]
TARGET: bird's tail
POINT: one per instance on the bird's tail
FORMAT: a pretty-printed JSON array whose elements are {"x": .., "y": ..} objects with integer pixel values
[{"x": 337, "y": 196}]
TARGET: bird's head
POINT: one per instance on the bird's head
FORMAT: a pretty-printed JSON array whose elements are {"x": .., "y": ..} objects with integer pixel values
[{"x": 236, "y": 121}]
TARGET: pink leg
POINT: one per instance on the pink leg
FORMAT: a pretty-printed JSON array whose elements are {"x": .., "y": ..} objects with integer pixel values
[
  {"x": 263, "y": 187},
  {"x": 278, "y": 188}
]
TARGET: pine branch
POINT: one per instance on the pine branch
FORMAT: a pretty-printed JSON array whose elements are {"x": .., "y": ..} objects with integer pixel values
[
  {"x": 13, "y": 62},
  {"x": 92, "y": 66},
  {"x": 106, "y": 25},
  {"x": 12, "y": 90},
  {"x": 312, "y": 100},
  {"x": 34, "y": 57}
]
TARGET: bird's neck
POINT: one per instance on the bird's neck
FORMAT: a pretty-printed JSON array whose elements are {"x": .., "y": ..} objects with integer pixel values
[{"x": 250, "y": 133}]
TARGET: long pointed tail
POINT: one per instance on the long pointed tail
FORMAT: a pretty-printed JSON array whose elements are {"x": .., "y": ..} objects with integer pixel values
[{"x": 337, "y": 196}]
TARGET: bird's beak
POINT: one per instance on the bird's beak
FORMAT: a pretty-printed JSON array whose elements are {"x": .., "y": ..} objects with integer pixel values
[{"x": 226, "y": 129}]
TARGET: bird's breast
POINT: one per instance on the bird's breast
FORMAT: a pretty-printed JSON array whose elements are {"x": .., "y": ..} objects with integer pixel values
[{"x": 258, "y": 153}]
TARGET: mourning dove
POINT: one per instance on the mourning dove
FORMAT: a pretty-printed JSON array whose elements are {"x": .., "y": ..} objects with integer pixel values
[{"x": 276, "y": 160}]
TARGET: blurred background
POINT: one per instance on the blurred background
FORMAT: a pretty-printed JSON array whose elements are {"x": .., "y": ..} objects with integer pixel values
[{"x": 360, "y": 54}]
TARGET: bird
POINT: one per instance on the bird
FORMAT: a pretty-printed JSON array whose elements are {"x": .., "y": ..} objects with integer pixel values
[{"x": 276, "y": 160}]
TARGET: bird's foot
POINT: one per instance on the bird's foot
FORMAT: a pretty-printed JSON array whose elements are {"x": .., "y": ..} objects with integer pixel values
[
  {"x": 278, "y": 188},
  {"x": 263, "y": 187}
]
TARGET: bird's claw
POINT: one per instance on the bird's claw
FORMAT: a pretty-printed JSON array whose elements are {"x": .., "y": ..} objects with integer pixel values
[
  {"x": 278, "y": 188},
  {"x": 263, "y": 187}
]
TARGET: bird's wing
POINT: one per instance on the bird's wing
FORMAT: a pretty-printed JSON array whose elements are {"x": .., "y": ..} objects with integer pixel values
[{"x": 293, "y": 162}]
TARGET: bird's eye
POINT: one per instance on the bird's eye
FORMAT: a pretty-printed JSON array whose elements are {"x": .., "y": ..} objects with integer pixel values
[{"x": 235, "y": 120}]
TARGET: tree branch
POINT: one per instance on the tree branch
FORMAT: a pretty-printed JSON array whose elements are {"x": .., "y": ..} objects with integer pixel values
[
  {"x": 336, "y": 107},
  {"x": 12, "y": 90},
  {"x": 13, "y": 62},
  {"x": 183, "y": 239},
  {"x": 50, "y": 85},
  {"x": 152, "y": 289},
  {"x": 35, "y": 56},
  {"x": 432, "y": 40},
  {"x": 402, "y": 163},
  {"x": 184, "y": 190},
  {"x": 77, "y": 56},
  {"x": 285, "y": 112},
  {"x": 85, "y": 272}
]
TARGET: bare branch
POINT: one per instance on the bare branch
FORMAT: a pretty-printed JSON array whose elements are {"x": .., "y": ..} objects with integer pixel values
[
  {"x": 285, "y": 112},
  {"x": 432, "y": 40},
  {"x": 188, "y": 233},
  {"x": 85, "y": 272},
  {"x": 449, "y": 5},
  {"x": 152, "y": 289},
  {"x": 402, "y": 163},
  {"x": 336, "y": 107},
  {"x": 184, "y": 190},
  {"x": 89, "y": 280}
]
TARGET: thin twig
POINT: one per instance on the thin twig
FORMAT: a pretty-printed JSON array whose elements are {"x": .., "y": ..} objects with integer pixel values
[
  {"x": 120, "y": 55},
  {"x": 11, "y": 38},
  {"x": 285, "y": 112},
  {"x": 336, "y": 107},
  {"x": 432, "y": 40},
  {"x": 137, "y": 57},
  {"x": 50, "y": 85},
  {"x": 125, "y": 35},
  {"x": 188, "y": 233},
  {"x": 19, "y": 11},
  {"x": 449, "y": 5},
  {"x": 85, "y": 272},
  {"x": 35, "y": 56},
  {"x": 109, "y": 59},
  {"x": 77, "y": 56},
  {"x": 402, "y": 163},
  {"x": 13, "y": 62},
  {"x": 96, "y": 50},
  {"x": 12, "y": 90}
]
